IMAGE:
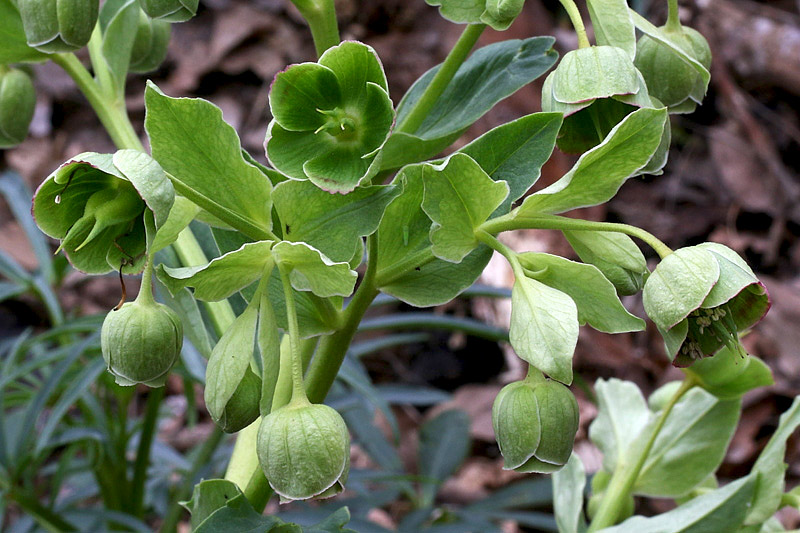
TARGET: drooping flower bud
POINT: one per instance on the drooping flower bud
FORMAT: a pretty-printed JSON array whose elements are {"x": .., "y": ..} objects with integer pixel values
[
  {"x": 615, "y": 255},
  {"x": 150, "y": 45},
  {"x": 304, "y": 450},
  {"x": 500, "y": 14},
  {"x": 672, "y": 80},
  {"x": 141, "y": 341},
  {"x": 17, "y": 103},
  {"x": 535, "y": 422},
  {"x": 170, "y": 10},
  {"x": 53, "y": 26},
  {"x": 242, "y": 409}
]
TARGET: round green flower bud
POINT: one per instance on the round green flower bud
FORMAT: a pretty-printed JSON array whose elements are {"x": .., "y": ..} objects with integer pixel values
[
  {"x": 170, "y": 10},
  {"x": 500, "y": 14},
  {"x": 141, "y": 341},
  {"x": 669, "y": 78},
  {"x": 243, "y": 407},
  {"x": 304, "y": 450},
  {"x": 53, "y": 26},
  {"x": 535, "y": 422},
  {"x": 150, "y": 45},
  {"x": 17, "y": 103}
]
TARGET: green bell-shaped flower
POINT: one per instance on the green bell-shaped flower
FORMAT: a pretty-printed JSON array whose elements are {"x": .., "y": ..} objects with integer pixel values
[
  {"x": 672, "y": 80},
  {"x": 17, "y": 103},
  {"x": 701, "y": 297},
  {"x": 535, "y": 422},
  {"x": 170, "y": 10},
  {"x": 94, "y": 204},
  {"x": 150, "y": 45},
  {"x": 53, "y": 26},
  {"x": 304, "y": 450},
  {"x": 595, "y": 88},
  {"x": 141, "y": 341},
  {"x": 331, "y": 118}
]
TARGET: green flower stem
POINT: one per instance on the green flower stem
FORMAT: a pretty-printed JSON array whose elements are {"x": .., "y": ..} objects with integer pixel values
[
  {"x": 577, "y": 22},
  {"x": 439, "y": 83},
  {"x": 321, "y": 18},
  {"x": 513, "y": 221},
  {"x": 298, "y": 392},
  {"x": 624, "y": 477},
  {"x": 510, "y": 255},
  {"x": 154, "y": 397},
  {"x": 332, "y": 349},
  {"x": 201, "y": 459},
  {"x": 673, "y": 19},
  {"x": 414, "y": 260},
  {"x": 101, "y": 72},
  {"x": 114, "y": 119}
]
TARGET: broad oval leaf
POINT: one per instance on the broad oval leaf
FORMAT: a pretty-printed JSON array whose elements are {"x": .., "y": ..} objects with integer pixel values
[{"x": 313, "y": 271}]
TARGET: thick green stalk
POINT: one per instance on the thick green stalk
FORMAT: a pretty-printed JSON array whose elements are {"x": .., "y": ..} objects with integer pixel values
[
  {"x": 442, "y": 79},
  {"x": 673, "y": 19},
  {"x": 624, "y": 477},
  {"x": 333, "y": 348},
  {"x": 154, "y": 398},
  {"x": 514, "y": 221},
  {"x": 184, "y": 492},
  {"x": 321, "y": 18},
  {"x": 577, "y": 22}
]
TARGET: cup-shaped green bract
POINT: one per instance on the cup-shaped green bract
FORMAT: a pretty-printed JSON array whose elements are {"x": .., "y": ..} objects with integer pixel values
[
  {"x": 331, "y": 118},
  {"x": 595, "y": 88},
  {"x": 141, "y": 341},
  {"x": 150, "y": 45},
  {"x": 53, "y": 26},
  {"x": 701, "y": 297},
  {"x": 17, "y": 103},
  {"x": 242, "y": 409},
  {"x": 535, "y": 422},
  {"x": 304, "y": 450},
  {"x": 94, "y": 204},
  {"x": 669, "y": 77},
  {"x": 170, "y": 10}
]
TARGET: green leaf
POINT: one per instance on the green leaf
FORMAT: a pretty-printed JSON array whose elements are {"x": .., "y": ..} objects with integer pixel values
[
  {"x": 615, "y": 254},
  {"x": 15, "y": 47},
  {"x": 460, "y": 11},
  {"x": 595, "y": 296},
  {"x": 119, "y": 35},
  {"x": 444, "y": 444},
  {"x": 600, "y": 172},
  {"x": 679, "y": 285},
  {"x": 149, "y": 180},
  {"x": 544, "y": 327},
  {"x": 771, "y": 467},
  {"x": 659, "y": 35},
  {"x": 208, "y": 496},
  {"x": 218, "y": 506},
  {"x": 229, "y": 361},
  {"x": 312, "y": 271},
  {"x": 613, "y": 25},
  {"x": 568, "y": 485},
  {"x": 203, "y": 155},
  {"x": 403, "y": 237},
  {"x": 223, "y": 275},
  {"x": 458, "y": 197},
  {"x": 594, "y": 72},
  {"x": 720, "y": 510},
  {"x": 690, "y": 446},
  {"x": 332, "y": 223},
  {"x": 181, "y": 214},
  {"x": 516, "y": 151},
  {"x": 491, "y": 74},
  {"x": 314, "y": 314},
  {"x": 728, "y": 375},
  {"x": 622, "y": 415}
]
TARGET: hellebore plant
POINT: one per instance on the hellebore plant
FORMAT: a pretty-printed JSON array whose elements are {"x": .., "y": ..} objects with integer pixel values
[{"x": 346, "y": 187}]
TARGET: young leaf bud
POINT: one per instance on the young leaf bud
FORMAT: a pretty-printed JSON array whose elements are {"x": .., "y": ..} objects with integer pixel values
[
  {"x": 535, "y": 422},
  {"x": 141, "y": 341},
  {"x": 243, "y": 407},
  {"x": 53, "y": 26},
  {"x": 17, "y": 103},
  {"x": 304, "y": 450}
]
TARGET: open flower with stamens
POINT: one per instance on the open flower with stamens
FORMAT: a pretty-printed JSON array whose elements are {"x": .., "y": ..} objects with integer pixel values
[
  {"x": 331, "y": 118},
  {"x": 700, "y": 298}
]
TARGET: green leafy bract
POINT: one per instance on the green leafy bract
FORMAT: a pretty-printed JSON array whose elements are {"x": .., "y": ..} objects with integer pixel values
[
  {"x": 458, "y": 197},
  {"x": 15, "y": 47},
  {"x": 331, "y": 118},
  {"x": 568, "y": 486},
  {"x": 312, "y": 271},
  {"x": 491, "y": 74},
  {"x": 614, "y": 254},
  {"x": 203, "y": 156},
  {"x": 613, "y": 25},
  {"x": 94, "y": 202}
]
